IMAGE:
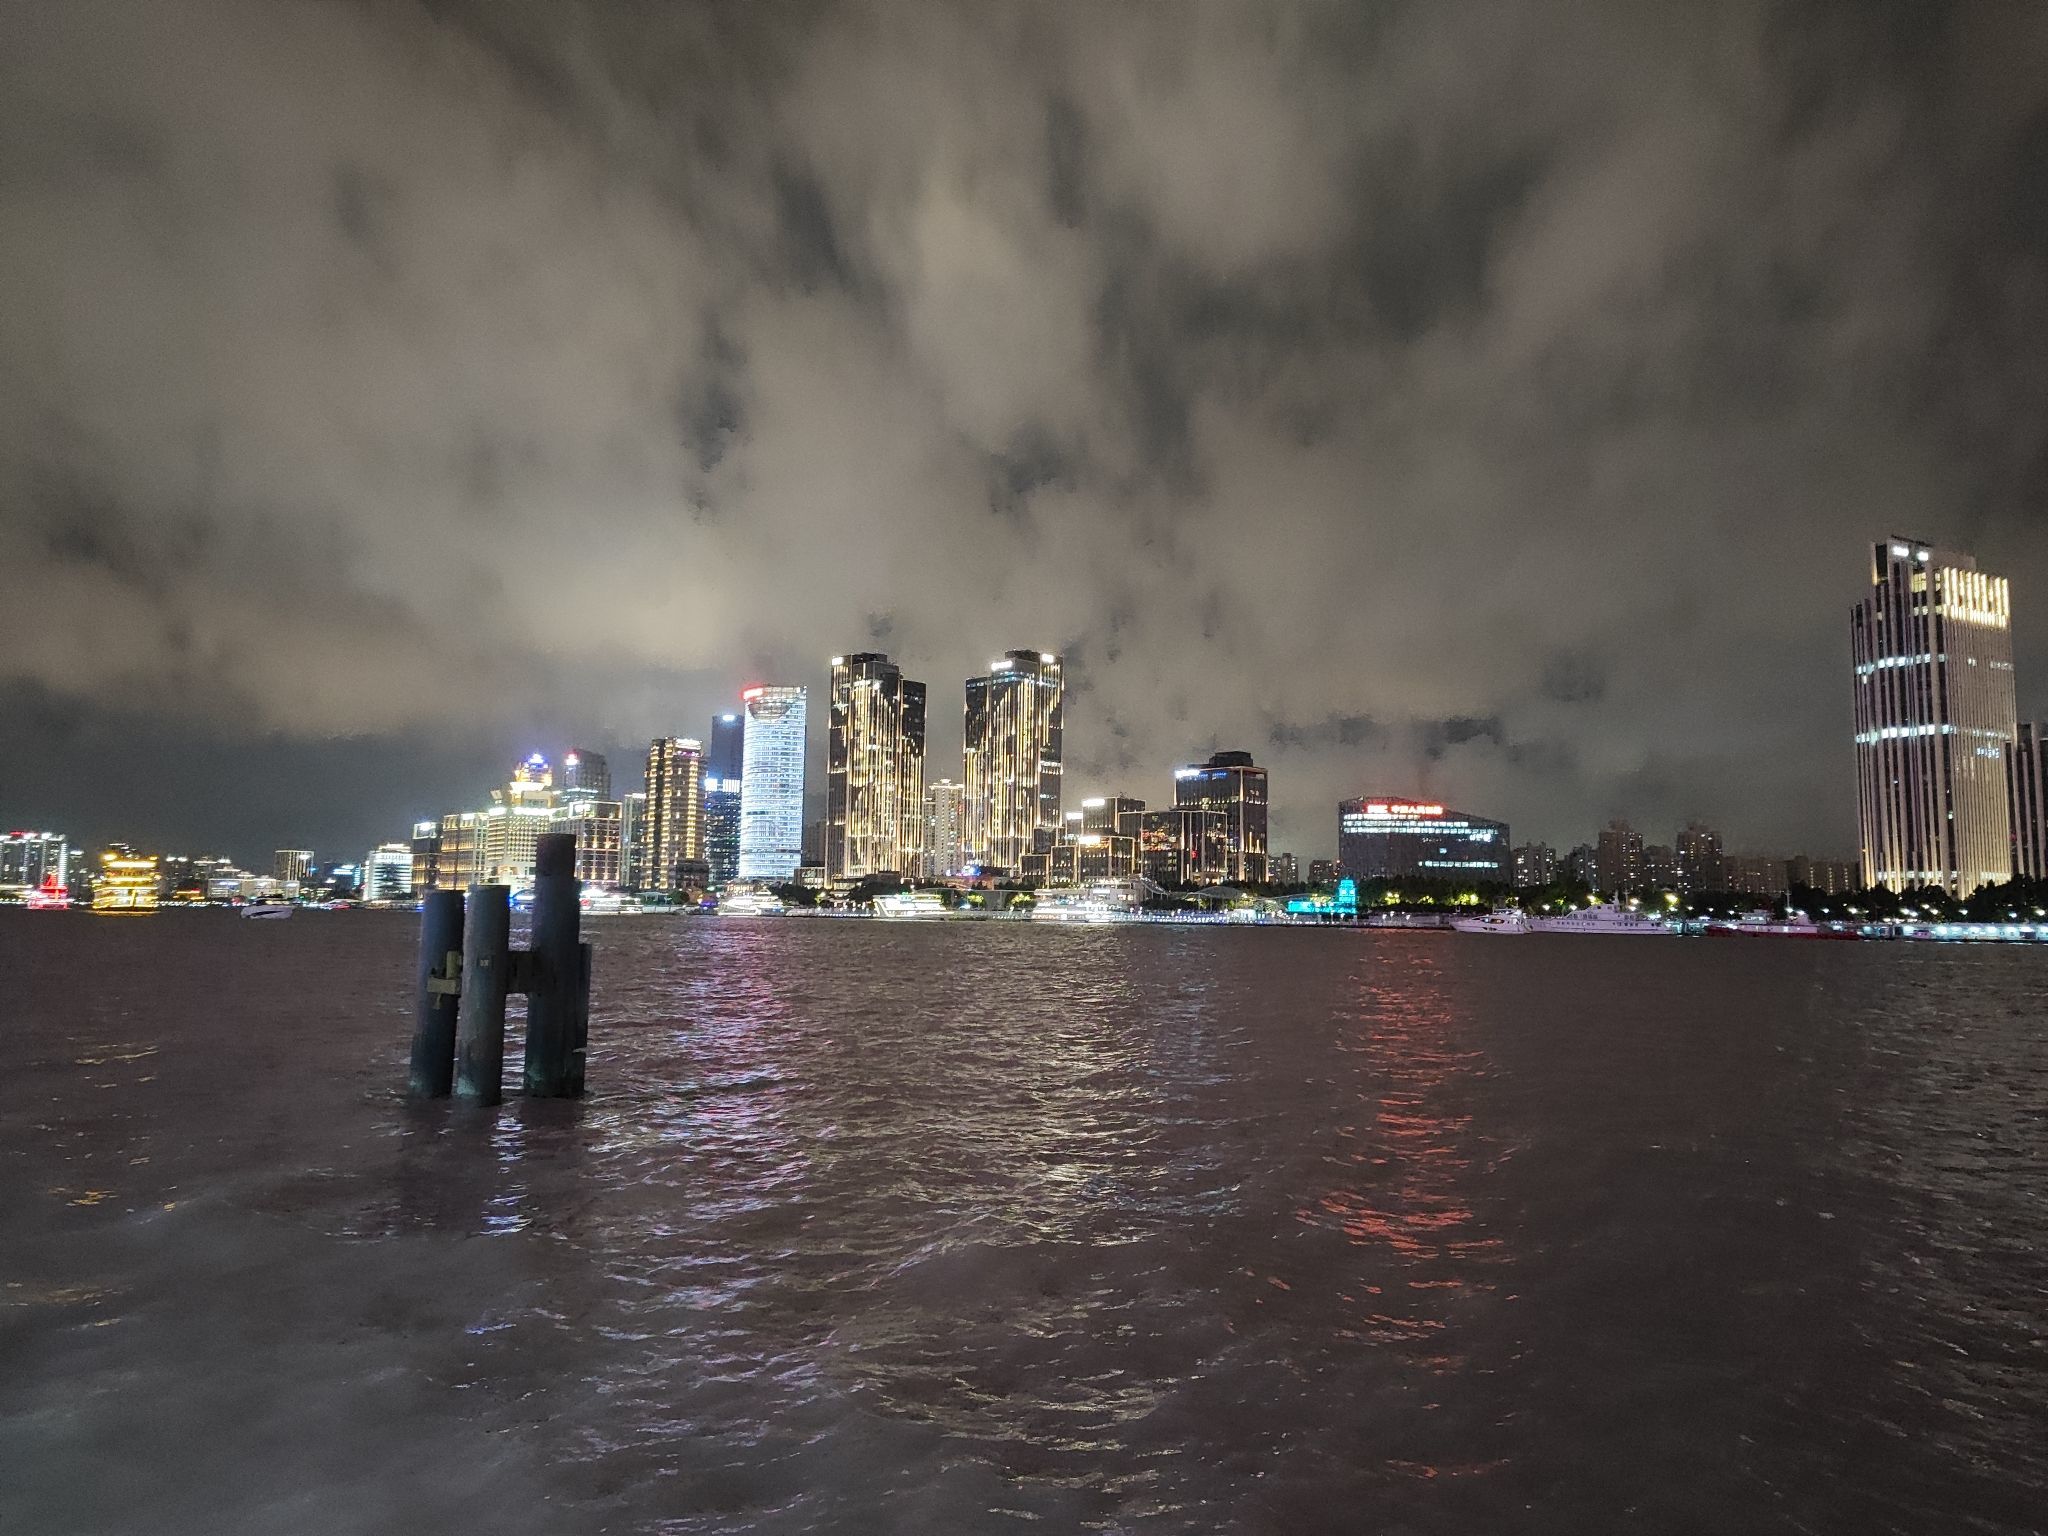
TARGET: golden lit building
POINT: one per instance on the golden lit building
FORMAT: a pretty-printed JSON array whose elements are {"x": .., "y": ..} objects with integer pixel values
[
  {"x": 672, "y": 832},
  {"x": 1013, "y": 751},
  {"x": 874, "y": 770},
  {"x": 600, "y": 841},
  {"x": 1935, "y": 719},
  {"x": 127, "y": 881}
]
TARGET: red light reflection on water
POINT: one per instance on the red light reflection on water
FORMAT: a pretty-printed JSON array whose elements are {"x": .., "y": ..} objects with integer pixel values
[{"x": 1414, "y": 1154}]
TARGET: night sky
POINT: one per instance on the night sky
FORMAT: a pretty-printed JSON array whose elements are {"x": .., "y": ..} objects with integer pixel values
[{"x": 1488, "y": 402}]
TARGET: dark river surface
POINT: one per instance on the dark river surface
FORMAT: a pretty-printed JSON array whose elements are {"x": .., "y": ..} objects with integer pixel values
[{"x": 876, "y": 1227}]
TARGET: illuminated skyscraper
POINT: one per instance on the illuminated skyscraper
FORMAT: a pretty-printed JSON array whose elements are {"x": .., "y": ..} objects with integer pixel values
[
  {"x": 31, "y": 861},
  {"x": 723, "y": 765},
  {"x": 2026, "y": 790},
  {"x": 1013, "y": 754},
  {"x": 632, "y": 847},
  {"x": 291, "y": 863},
  {"x": 673, "y": 830},
  {"x": 507, "y": 832},
  {"x": 945, "y": 827},
  {"x": 874, "y": 769},
  {"x": 1934, "y": 718},
  {"x": 426, "y": 857},
  {"x": 772, "y": 783},
  {"x": 1232, "y": 783},
  {"x": 586, "y": 775},
  {"x": 387, "y": 874}
]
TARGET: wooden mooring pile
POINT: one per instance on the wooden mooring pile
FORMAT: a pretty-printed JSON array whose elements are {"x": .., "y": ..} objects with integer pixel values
[{"x": 468, "y": 968}]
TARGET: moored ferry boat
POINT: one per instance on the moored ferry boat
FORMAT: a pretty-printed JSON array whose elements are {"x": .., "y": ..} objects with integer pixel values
[
  {"x": 1514, "y": 921},
  {"x": 1618, "y": 920},
  {"x": 1765, "y": 925}
]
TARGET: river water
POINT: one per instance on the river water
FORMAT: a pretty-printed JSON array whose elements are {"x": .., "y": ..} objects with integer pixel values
[{"x": 876, "y": 1227}]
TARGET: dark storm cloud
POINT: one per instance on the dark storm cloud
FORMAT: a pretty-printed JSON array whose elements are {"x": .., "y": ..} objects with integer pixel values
[{"x": 1479, "y": 400}]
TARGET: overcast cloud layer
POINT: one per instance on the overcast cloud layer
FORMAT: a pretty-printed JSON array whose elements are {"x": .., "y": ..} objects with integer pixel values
[{"x": 1492, "y": 402}]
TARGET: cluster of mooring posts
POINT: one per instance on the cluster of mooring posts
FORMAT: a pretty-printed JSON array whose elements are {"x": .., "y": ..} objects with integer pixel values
[{"x": 468, "y": 968}]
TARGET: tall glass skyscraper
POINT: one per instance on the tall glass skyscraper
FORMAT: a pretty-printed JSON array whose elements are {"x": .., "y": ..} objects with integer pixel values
[
  {"x": 723, "y": 765},
  {"x": 1935, "y": 717},
  {"x": 772, "y": 783},
  {"x": 874, "y": 770},
  {"x": 1012, "y": 756}
]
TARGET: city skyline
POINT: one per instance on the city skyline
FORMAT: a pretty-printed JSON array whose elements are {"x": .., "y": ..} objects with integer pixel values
[{"x": 1518, "y": 474}]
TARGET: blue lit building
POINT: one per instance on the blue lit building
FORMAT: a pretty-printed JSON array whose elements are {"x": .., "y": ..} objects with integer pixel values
[
  {"x": 1382, "y": 839},
  {"x": 771, "y": 843},
  {"x": 723, "y": 766}
]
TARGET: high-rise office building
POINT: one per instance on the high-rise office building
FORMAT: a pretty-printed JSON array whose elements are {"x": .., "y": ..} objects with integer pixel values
[
  {"x": 945, "y": 827},
  {"x": 632, "y": 842},
  {"x": 1535, "y": 865},
  {"x": 1283, "y": 869},
  {"x": 1013, "y": 754},
  {"x": 673, "y": 831},
  {"x": 34, "y": 861},
  {"x": 426, "y": 858},
  {"x": 599, "y": 829},
  {"x": 1232, "y": 783},
  {"x": 772, "y": 783},
  {"x": 1181, "y": 846},
  {"x": 723, "y": 765},
  {"x": 387, "y": 874},
  {"x": 1620, "y": 860},
  {"x": 1700, "y": 860},
  {"x": 586, "y": 775},
  {"x": 291, "y": 863},
  {"x": 495, "y": 845},
  {"x": 2026, "y": 799},
  {"x": 1935, "y": 715},
  {"x": 1388, "y": 839},
  {"x": 1110, "y": 813},
  {"x": 874, "y": 769}
]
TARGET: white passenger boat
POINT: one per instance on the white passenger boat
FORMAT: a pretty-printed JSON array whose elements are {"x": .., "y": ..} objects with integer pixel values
[
  {"x": 750, "y": 901},
  {"x": 910, "y": 904},
  {"x": 1765, "y": 925},
  {"x": 1494, "y": 922},
  {"x": 1620, "y": 920},
  {"x": 267, "y": 909}
]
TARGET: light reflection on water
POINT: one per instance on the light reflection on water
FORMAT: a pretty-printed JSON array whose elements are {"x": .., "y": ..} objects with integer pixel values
[{"x": 879, "y": 1226}]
